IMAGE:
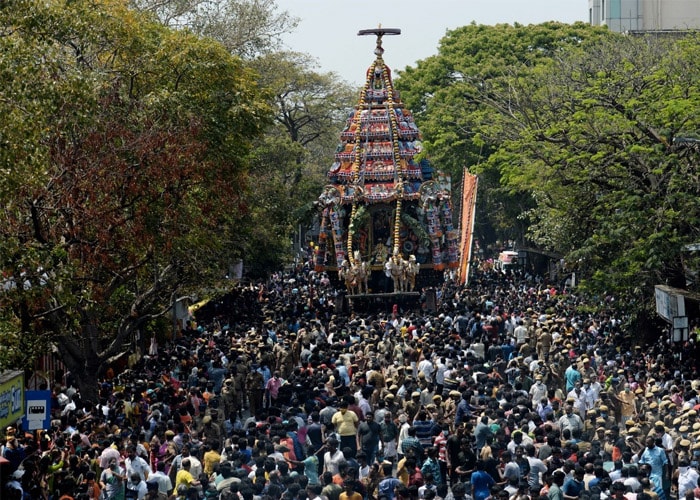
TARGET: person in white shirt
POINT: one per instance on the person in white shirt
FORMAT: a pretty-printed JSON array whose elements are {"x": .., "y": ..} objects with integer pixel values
[
  {"x": 70, "y": 406},
  {"x": 518, "y": 438},
  {"x": 592, "y": 389},
  {"x": 333, "y": 457},
  {"x": 537, "y": 468},
  {"x": 195, "y": 464},
  {"x": 440, "y": 369},
  {"x": 538, "y": 391},
  {"x": 165, "y": 485},
  {"x": 570, "y": 420},
  {"x": 135, "y": 464},
  {"x": 403, "y": 431},
  {"x": 520, "y": 334},
  {"x": 687, "y": 478},
  {"x": 363, "y": 402},
  {"x": 580, "y": 400},
  {"x": 136, "y": 487},
  {"x": 426, "y": 367}
]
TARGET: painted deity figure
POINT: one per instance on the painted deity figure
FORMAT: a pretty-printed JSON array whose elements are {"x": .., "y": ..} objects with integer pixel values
[
  {"x": 361, "y": 272},
  {"x": 396, "y": 268},
  {"x": 412, "y": 269}
]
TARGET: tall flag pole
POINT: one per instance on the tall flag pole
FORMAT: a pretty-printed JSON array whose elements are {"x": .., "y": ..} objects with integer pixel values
[{"x": 470, "y": 183}]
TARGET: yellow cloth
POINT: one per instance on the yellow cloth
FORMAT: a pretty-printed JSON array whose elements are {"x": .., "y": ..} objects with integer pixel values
[
  {"x": 211, "y": 458},
  {"x": 354, "y": 496},
  {"x": 183, "y": 477},
  {"x": 344, "y": 422}
]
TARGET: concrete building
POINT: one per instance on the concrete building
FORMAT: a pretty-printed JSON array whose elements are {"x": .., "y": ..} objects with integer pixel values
[{"x": 645, "y": 15}]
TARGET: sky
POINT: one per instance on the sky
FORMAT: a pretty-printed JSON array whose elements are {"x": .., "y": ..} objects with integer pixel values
[{"x": 328, "y": 28}]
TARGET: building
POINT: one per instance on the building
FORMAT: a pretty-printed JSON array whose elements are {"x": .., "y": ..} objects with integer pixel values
[{"x": 645, "y": 15}]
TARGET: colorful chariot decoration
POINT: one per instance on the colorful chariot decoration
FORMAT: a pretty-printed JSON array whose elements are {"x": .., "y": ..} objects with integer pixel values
[{"x": 385, "y": 211}]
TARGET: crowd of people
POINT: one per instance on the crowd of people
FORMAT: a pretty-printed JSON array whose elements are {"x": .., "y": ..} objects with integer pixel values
[{"x": 506, "y": 389}]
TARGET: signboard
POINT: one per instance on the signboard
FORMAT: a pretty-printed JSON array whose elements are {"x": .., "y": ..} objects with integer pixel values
[
  {"x": 11, "y": 397},
  {"x": 669, "y": 303},
  {"x": 38, "y": 414},
  {"x": 680, "y": 329}
]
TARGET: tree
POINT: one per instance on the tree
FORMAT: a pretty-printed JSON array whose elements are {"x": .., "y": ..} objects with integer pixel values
[
  {"x": 447, "y": 95},
  {"x": 132, "y": 183},
  {"x": 592, "y": 137},
  {"x": 247, "y": 28},
  {"x": 290, "y": 162}
]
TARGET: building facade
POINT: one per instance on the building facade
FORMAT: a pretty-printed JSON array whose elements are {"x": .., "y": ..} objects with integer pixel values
[{"x": 645, "y": 15}]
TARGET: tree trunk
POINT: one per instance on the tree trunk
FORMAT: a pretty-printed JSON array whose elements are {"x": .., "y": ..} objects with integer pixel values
[
  {"x": 88, "y": 381},
  {"x": 83, "y": 361}
]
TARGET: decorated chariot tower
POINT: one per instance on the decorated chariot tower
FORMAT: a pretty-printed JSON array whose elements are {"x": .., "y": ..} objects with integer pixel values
[{"x": 386, "y": 216}]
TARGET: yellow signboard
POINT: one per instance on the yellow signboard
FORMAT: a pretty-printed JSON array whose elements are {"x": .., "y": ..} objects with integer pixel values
[{"x": 11, "y": 397}]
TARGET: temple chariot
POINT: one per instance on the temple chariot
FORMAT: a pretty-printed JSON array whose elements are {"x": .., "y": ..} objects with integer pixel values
[{"x": 386, "y": 221}]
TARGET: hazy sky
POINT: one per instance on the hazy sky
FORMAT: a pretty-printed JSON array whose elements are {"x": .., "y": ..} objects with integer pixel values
[{"x": 328, "y": 28}]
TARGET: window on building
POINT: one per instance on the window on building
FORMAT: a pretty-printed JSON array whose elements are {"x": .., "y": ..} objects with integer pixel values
[
  {"x": 615, "y": 10},
  {"x": 602, "y": 11}
]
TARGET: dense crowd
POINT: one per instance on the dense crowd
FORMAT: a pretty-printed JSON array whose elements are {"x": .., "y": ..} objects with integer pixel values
[{"x": 506, "y": 390}]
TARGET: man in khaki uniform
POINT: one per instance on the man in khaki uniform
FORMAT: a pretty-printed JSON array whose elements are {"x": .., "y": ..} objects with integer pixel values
[
  {"x": 392, "y": 406},
  {"x": 412, "y": 406},
  {"x": 255, "y": 383},
  {"x": 228, "y": 397},
  {"x": 634, "y": 441},
  {"x": 544, "y": 343},
  {"x": 450, "y": 405},
  {"x": 239, "y": 374}
]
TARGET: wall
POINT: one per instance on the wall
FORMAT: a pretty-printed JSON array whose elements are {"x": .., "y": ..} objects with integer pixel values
[{"x": 645, "y": 15}]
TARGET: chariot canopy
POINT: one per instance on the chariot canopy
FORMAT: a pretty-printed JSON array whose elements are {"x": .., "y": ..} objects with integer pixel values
[{"x": 383, "y": 199}]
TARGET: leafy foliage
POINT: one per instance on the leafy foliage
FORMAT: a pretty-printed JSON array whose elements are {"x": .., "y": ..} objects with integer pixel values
[
  {"x": 138, "y": 176},
  {"x": 247, "y": 28},
  {"x": 575, "y": 132},
  {"x": 416, "y": 228},
  {"x": 290, "y": 162},
  {"x": 456, "y": 94},
  {"x": 611, "y": 189}
]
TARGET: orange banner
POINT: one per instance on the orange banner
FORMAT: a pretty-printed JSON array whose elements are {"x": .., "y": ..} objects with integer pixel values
[{"x": 469, "y": 186}]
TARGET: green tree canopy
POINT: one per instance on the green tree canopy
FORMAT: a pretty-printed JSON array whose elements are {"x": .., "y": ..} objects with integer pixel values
[
  {"x": 447, "y": 95},
  {"x": 125, "y": 171},
  {"x": 247, "y": 28},
  {"x": 592, "y": 138},
  {"x": 290, "y": 161},
  {"x": 576, "y": 132}
]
